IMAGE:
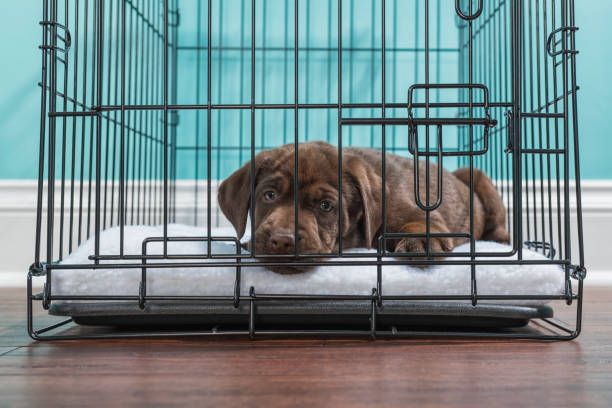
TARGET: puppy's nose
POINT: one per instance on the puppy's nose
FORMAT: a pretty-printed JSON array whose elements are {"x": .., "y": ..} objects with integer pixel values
[{"x": 282, "y": 243}]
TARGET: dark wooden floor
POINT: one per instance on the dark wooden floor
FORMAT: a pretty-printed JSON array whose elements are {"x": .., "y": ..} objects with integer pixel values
[{"x": 197, "y": 372}]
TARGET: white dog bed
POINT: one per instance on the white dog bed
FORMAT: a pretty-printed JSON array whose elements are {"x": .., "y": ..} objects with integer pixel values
[{"x": 337, "y": 280}]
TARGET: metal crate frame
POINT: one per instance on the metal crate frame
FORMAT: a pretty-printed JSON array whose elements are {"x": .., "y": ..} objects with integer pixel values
[{"x": 162, "y": 22}]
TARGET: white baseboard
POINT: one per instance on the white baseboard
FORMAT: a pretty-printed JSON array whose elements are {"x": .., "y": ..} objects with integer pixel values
[
  {"x": 599, "y": 278},
  {"x": 18, "y": 221},
  {"x": 13, "y": 279}
]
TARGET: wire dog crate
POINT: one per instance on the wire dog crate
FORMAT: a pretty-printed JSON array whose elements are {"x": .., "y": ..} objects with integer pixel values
[{"x": 147, "y": 104}]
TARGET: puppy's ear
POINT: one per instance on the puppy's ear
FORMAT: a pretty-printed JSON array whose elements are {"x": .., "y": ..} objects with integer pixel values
[
  {"x": 369, "y": 185},
  {"x": 234, "y": 198},
  {"x": 234, "y": 193}
]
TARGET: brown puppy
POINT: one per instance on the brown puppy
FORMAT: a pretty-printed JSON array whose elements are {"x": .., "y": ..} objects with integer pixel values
[{"x": 361, "y": 200}]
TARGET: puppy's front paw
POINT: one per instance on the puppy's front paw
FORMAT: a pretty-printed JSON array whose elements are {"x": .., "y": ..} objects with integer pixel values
[{"x": 419, "y": 245}]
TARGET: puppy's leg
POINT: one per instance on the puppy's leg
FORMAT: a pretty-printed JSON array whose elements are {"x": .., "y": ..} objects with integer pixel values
[
  {"x": 494, "y": 209},
  {"x": 419, "y": 244}
]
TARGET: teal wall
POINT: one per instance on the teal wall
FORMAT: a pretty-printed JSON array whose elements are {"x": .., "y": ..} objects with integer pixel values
[
  {"x": 19, "y": 93},
  {"x": 20, "y": 96}
]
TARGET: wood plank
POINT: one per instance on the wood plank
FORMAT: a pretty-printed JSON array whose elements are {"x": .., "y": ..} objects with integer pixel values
[
  {"x": 213, "y": 372},
  {"x": 5, "y": 350}
]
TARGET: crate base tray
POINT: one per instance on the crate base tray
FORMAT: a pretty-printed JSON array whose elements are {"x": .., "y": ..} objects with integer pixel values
[{"x": 301, "y": 314}]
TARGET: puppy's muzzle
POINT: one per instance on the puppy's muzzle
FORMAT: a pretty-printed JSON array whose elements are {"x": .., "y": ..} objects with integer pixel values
[{"x": 281, "y": 243}]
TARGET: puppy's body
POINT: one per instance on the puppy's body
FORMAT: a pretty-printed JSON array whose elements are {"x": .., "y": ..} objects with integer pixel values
[
  {"x": 318, "y": 201},
  {"x": 453, "y": 214}
]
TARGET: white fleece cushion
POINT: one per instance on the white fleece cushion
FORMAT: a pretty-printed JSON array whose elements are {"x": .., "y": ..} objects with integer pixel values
[{"x": 339, "y": 280}]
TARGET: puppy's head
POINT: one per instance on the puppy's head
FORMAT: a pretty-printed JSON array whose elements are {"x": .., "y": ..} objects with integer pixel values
[{"x": 318, "y": 197}]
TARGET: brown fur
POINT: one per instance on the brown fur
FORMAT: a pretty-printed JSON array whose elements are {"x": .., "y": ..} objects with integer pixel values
[{"x": 362, "y": 197}]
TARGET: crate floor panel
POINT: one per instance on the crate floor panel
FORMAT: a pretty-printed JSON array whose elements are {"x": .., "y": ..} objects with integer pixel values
[{"x": 301, "y": 313}]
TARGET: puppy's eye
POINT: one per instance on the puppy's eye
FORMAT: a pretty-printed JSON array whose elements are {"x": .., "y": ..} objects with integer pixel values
[
  {"x": 325, "y": 206},
  {"x": 270, "y": 195}
]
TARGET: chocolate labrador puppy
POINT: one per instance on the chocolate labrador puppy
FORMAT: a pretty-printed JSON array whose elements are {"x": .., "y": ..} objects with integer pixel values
[{"x": 318, "y": 198}]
